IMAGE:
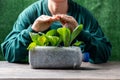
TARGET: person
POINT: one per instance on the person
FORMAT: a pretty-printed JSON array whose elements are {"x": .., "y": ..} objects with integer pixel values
[{"x": 44, "y": 15}]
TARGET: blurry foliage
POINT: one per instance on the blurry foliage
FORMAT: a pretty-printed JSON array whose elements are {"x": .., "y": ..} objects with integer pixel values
[{"x": 107, "y": 13}]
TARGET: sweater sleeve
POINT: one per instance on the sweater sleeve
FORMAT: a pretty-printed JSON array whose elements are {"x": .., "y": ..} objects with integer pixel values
[
  {"x": 15, "y": 45},
  {"x": 95, "y": 41}
]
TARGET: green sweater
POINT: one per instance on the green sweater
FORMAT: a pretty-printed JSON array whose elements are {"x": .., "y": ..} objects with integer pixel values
[{"x": 15, "y": 45}]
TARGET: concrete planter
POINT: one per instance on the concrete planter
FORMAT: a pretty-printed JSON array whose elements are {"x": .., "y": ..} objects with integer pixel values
[{"x": 55, "y": 57}]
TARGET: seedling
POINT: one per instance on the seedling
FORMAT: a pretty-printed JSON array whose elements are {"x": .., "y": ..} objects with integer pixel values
[{"x": 56, "y": 37}]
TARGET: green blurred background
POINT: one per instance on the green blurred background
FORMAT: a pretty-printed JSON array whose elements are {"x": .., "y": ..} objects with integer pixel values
[{"x": 107, "y": 13}]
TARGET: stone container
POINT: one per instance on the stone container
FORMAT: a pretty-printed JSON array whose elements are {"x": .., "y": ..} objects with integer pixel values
[{"x": 55, "y": 57}]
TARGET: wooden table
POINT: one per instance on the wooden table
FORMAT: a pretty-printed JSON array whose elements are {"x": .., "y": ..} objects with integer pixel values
[{"x": 106, "y": 71}]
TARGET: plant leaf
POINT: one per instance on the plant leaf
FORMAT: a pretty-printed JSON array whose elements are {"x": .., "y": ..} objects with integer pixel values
[
  {"x": 40, "y": 33},
  {"x": 77, "y": 43},
  {"x": 76, "y": 32},
  {"x": 34, "y": 36},
  {"x": 31, "y": 46},
  {"x": 42, "y": 40},
  {"x": 53, "y": 40},
  {"x": 65, "y": 35},
  {"x": 51, "y": 33}
]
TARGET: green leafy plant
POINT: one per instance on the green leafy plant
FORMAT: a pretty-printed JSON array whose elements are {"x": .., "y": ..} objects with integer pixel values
[{"x": 56, "y": 37}]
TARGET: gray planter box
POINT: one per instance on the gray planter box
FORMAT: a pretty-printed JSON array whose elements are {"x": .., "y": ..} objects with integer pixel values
[{"x": 55, "y": 57}]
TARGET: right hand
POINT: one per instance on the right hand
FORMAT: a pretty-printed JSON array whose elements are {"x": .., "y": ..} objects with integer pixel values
[
  {"x": 43, "y": 22},
  {"x": 68, "y": 21}
]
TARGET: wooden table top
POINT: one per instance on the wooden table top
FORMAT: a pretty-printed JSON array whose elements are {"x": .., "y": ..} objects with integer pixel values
[{"x": 88, "y": 71}]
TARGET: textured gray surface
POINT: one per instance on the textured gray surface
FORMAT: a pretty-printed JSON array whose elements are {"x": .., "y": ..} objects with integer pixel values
[
  {"x": 55, "y": 57},
  {"x": 107, "y": 71}
]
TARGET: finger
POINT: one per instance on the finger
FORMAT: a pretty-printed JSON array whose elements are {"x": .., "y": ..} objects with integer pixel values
[
  {"x": 45, "y": 19},
  {"x": 55, "y": 18},
  {"x": 65, "y": 18},
  {"x": 50, "y": 18}
]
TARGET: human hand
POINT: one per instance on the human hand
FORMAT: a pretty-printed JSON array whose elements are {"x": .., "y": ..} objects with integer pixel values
[
  {"x": 43, "y": 22},
  {"x": 68, "y": 21}
]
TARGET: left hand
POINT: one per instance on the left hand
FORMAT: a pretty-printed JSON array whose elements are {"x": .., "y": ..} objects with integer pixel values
[{"x": 68, "y": 21}]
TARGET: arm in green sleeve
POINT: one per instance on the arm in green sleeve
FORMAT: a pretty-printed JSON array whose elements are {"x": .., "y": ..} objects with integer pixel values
[
  {"x": 15, "y": 45},
  {"x": 95, "y": 41},
  {"x": 98, "y": 47}
]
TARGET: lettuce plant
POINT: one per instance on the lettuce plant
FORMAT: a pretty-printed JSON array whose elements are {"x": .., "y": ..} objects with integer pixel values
[{"x": 55, "y": 37}]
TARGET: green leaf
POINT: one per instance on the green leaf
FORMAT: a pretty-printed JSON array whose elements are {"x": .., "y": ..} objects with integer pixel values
[
  {"x": 34, "y": 36},
  {"x": 31, "y": 46},
  {"x": 77, "y": 43},
  {"x": 51, "y": 33},
  {"x": 41, "y": 33},
  {"x": 65, "y": 35},
  {"x": 76, "y": 32},
  {"x": 42, "y": 40},
  {"x": 53, "y": 40}
]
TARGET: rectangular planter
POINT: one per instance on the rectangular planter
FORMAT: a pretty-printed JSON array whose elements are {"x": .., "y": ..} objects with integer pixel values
[{"x": 55, "y": 57}]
